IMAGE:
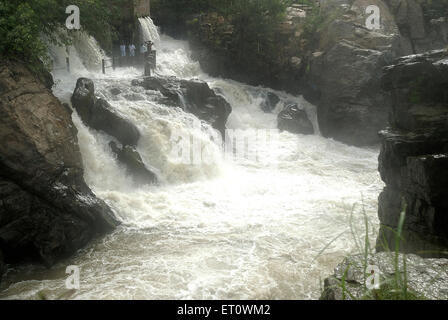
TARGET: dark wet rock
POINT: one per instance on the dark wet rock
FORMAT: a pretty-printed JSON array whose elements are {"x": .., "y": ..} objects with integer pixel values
[
  {"x": 426, "y": 278},
  {"x": 350, "y": 105},
  {"x": 2, "y": 266},
  {"x": 115, "y": 91},
  {"x": 134, "y": 97},
  {"x": 100, "y": 115},
  {"x": 47, "y": 211},
  {"x": 414, "y": 154},
  {"x": 423, "y": 24},
  {"x": 294, "y": 120},
  {"x": 193, "y": 96},
  {"x": 270, "y": 102},
  {"x": 418, "y": 85},
  {"x": 343, "y": 76},
  {"x": 129, "y": 156},
  {"x": 68, "y": 108}
]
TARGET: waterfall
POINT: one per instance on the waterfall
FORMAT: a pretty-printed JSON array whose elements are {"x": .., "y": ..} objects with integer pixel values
[
  {"x": 148, "y": 31},
  {"x": 85, "y": 54},
  {"x": 222, "y": 229}
]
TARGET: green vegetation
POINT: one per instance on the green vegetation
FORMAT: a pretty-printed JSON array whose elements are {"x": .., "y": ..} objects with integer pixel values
[
  {"x": 391, "y": 288},
  {"x": 246, "y": 32},
  {"x": 434, "y": 9},
  {"x": 24, "y": 22},
  {"x": 395, "y": 288}
]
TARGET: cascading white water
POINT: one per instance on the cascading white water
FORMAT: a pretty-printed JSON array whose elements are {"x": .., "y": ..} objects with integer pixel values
[
  {"x": 148, "y": 31},
  {"x": 227, "y": 229}
]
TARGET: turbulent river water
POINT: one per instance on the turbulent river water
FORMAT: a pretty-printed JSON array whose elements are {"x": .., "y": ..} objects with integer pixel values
[{"x": 266, "y": 228}]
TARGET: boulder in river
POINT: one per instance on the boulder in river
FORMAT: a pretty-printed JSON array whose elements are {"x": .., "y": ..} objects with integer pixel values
[
  {"x": 134, "y": 164},
  {"x": 270, "y": 102},
  {"x": 100, "y": 115},
  {"x": 192, "y": 96},
  {"x": 294, "y": 120},
  {"x": 47, "y": 211},
  {"x": 414, "y": 155}
]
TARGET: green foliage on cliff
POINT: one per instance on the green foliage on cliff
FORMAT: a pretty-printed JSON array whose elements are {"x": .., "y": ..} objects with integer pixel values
[
  {"x": 434, "y": 9},
  {"x": 255, "y": 28},
  {"x": 252, "y": 11},
  {"x": 244, "y": 31},
  {"x": 24, "y": 22}
]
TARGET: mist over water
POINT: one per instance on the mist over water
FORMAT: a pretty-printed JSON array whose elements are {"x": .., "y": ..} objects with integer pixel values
[{"x": 225, "y": 229}]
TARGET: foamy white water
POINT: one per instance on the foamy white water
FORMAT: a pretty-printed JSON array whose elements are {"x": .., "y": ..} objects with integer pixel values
[{"x": 228, "y": 229}]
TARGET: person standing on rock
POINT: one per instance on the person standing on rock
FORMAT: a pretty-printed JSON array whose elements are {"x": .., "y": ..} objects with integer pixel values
[
  {"x": 143, "y": 50},
  {"x": 123, "y": 50},
  {"x": 132, "y": 50}
]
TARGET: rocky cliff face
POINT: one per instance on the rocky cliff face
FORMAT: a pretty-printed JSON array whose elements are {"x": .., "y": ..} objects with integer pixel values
[
  {"x": 423, "y": 23},
  {"x": 329, "y": 55},
  {"x": 214, "y": 45},
  {"x": 414, "y": 154},
  {"x": 142, "y": 8},
  {"x": 343, "y": 77},
  {"x": 46, "y": 210},
  {"x": 99, "y": 115},
  {"x": 192, "y": 96}
]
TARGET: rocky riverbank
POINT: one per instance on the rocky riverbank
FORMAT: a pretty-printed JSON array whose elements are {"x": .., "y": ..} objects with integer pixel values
[
  {"x": 47, "y": 211},
  {"x": 325, "y": 51},
  {"x": 425, "y": 278},
  {"x": 414, "y": 165},
  {"x": 414, "y": 154}
]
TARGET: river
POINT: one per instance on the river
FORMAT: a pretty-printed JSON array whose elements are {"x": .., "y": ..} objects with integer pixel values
[{"x": 266, "y": 228}]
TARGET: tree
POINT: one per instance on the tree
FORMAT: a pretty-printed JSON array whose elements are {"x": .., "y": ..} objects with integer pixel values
[{"x": 24, "y": 22}]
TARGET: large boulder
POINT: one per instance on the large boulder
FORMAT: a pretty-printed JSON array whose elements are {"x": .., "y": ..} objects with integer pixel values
[
  {"x": 134, "y": 164},
  {"x": 414, "y": 154},
  {"x": 350, "y": 105},
  {"x": 192, "y": 96},
  {"x": 425, "y": 278},
  {"x": 294, "y": 120},
  {"x": 343, "y": 76},
  {"x": 423, "y": 23},
  {"x": 47, "y": 211},
  {"x": 100, "y": 115},
  {"x": 270, "y": 102}
]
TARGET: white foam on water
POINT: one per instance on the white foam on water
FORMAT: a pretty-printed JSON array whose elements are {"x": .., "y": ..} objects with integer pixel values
[{"x": 227, "y": 229}]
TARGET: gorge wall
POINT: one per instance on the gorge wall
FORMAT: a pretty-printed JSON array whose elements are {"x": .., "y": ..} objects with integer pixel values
[
  {"x": 413, "y": 163},
  {"x": 47, "y": 211},
  {"x": 414, "y": 155},
  {"x": 142, "y": 8},
  {"x": 127, "y": 25},
  {"x": 326, "y": 53}
]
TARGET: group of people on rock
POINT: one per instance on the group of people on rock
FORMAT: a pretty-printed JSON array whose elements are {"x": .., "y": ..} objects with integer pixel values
[{"x": 144, "y": 48}]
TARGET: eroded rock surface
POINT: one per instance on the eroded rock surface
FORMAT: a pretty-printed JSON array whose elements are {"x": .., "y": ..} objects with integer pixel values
[
  {"x": 129, "y": 156},
  {"x": 192, "y": 96},
  {"x": 414, "y": 154},
  {"x": 100, "y": 115},
  {"x": 46, "y": 209},
  {"x": 294, "y": 120}
]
